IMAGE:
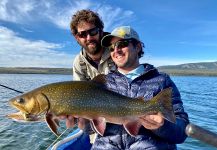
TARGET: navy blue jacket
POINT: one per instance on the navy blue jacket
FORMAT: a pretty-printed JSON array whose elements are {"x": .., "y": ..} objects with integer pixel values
[{"x": 147, "y": 85}]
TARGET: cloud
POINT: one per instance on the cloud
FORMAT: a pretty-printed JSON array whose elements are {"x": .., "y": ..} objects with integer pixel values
[
  {"x": 61, "y": 15},
  {"x": 60, "y": 12},
  {"x": 115, "y": 16},
  {"x": 16, "y": 11},
  {"x": 16, "y": 51}
]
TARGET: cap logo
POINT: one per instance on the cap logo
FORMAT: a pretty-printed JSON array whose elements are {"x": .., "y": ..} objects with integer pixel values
[{"x": 121, "y": 32}]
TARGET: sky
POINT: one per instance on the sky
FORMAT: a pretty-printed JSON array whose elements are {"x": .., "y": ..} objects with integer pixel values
[{"x": 36, "y": 33}]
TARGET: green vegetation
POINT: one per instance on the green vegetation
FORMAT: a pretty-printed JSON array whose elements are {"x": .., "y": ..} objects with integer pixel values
[
  {"x": 190, "y": 69},
  {"x": 30, "y": 70}
]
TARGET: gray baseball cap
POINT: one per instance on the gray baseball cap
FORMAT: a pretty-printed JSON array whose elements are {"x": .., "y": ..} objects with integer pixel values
[{"x": 124, "y": 32}]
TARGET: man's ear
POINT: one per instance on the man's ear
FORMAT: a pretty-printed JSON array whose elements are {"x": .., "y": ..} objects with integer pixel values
[{"x": 138, "y": 47}]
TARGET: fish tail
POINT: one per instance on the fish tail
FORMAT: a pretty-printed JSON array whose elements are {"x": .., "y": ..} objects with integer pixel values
[{"x": 166, "y": 107}]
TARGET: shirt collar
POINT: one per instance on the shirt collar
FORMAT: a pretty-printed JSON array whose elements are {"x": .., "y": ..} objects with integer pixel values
[{"x": 135, "y": 72}]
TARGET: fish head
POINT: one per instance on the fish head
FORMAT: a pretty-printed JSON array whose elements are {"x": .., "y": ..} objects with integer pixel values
[
  {"x": 32, "y": 103},
  {"x": 22, "y": 117}
]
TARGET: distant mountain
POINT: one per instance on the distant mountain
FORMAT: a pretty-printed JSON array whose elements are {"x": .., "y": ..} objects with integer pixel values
[
  {"x": 200, "y": 68},
  {"x": 197, "y": 66}
]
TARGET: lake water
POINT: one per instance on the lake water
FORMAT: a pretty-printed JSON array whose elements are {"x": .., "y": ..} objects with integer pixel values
[{"x": 199, "y": 95}]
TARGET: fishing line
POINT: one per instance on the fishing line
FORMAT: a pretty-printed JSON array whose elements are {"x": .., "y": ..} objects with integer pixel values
[
  {"x": 10, "y": 88},
  {"x": 57, "y": 138},
  {"x": 67, "y": 139}
]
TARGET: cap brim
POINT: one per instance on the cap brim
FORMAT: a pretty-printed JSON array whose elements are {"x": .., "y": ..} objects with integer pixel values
[{"x": 106, "y": 40}]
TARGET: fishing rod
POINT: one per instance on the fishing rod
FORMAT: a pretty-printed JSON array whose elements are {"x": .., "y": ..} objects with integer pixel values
[{"x": 11, "y": 88}]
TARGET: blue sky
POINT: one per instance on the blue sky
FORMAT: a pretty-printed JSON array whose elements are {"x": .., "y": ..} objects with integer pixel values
[{"x": 35, "y": 33}]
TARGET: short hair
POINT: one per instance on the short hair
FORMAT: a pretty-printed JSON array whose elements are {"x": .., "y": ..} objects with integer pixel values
[
  {"x": 88, "y": 16},
  {"x": 135, "y": 42}
]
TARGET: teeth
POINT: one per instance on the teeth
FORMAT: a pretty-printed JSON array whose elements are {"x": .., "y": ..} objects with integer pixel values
[{"x": 119, "y": 57}]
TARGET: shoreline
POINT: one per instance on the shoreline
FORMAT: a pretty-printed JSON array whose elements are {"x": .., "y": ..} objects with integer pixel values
[{"x": 68, "y": 71}]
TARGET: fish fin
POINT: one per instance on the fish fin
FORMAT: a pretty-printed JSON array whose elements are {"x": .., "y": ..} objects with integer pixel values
[
  {"x": 101, "y": 79},
  {"x": 164, "y": 97},
  {"x": 99, "y": 125},
  {"x": 52, "y": 123},
  {"x": 57, "y": 122},
  {"x": 132, "y": 127}
]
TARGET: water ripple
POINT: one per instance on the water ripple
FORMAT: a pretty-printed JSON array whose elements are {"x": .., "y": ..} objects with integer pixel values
[{"x": 198, "y": 94}]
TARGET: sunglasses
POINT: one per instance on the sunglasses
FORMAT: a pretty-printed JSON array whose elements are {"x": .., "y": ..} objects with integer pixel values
[
  {"x": 91, "y": 32},
  {"x": 119, "y": 45}
]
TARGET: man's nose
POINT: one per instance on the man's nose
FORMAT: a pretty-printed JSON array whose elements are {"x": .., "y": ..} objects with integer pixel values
[
  {"x": 89, "y": 37},
  {"x": 117, "y": 49}
]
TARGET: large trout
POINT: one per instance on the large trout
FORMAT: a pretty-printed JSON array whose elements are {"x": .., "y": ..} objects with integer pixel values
[{"x": 90, "y": 100}]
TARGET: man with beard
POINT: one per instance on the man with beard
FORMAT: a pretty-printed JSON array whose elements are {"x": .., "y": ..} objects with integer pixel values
[
  {"x": 87, "y": 28},
  {"x": 93, "y": 59}
]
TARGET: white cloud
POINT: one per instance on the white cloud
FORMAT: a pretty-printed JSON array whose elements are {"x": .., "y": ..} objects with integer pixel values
[
  {"x": 16, "y": 11},
  {"x": 16, "y": 51},
  {"x": 61, "y": 15},
  {"x": 115, "y": 16},
  {"x": 60, "y": 12}
]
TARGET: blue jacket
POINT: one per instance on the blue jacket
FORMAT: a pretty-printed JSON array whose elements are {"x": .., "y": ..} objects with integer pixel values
[{"x": 147, "y": 85}]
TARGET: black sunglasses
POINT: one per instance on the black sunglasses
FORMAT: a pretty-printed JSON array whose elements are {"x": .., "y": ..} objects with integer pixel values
[
  {"x": 119, "y": 44},
  {"x": 91, "y": 32}
]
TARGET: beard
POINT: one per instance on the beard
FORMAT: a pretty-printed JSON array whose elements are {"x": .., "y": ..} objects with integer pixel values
[{"x": 92, "y": 47}]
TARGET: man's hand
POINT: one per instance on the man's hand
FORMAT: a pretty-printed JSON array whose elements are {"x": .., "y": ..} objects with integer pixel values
[
  {"x": 72, "y": 120},
  {"x": 153, "y": 121}
]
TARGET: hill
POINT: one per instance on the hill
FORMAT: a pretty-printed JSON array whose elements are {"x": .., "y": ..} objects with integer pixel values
[{"x": 201, "y": 68}]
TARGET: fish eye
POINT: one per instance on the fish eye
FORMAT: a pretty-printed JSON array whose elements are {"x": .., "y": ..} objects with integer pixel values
[{"x": 21, "y": 100}]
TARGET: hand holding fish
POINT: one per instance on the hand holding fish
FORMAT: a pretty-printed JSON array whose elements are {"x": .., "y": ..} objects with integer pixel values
[
  {"x": 72, "y": 120},
  {"x": 80, "y": 99},
  {"x": 153, "y": 121}
]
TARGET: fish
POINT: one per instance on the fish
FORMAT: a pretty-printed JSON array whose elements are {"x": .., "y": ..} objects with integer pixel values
[{"x": 93, "y": 101}]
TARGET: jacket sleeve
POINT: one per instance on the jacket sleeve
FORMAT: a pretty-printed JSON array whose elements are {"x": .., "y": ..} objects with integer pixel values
[{"x": 174, "y": 133}]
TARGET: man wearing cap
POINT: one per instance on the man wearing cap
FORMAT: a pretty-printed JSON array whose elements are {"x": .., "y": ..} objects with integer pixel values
[{"x": 133, "y": 79}]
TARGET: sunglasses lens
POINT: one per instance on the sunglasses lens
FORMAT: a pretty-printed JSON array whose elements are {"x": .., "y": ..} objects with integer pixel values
[
  {"x": 122, "y": 44},
  {"x": 91, "y": 32},
  {"x": 82, "y": 34},
  {"x": 119, "y": 44}
]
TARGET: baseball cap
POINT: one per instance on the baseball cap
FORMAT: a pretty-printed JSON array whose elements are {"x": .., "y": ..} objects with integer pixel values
[{"x": 124, "y": 32}]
